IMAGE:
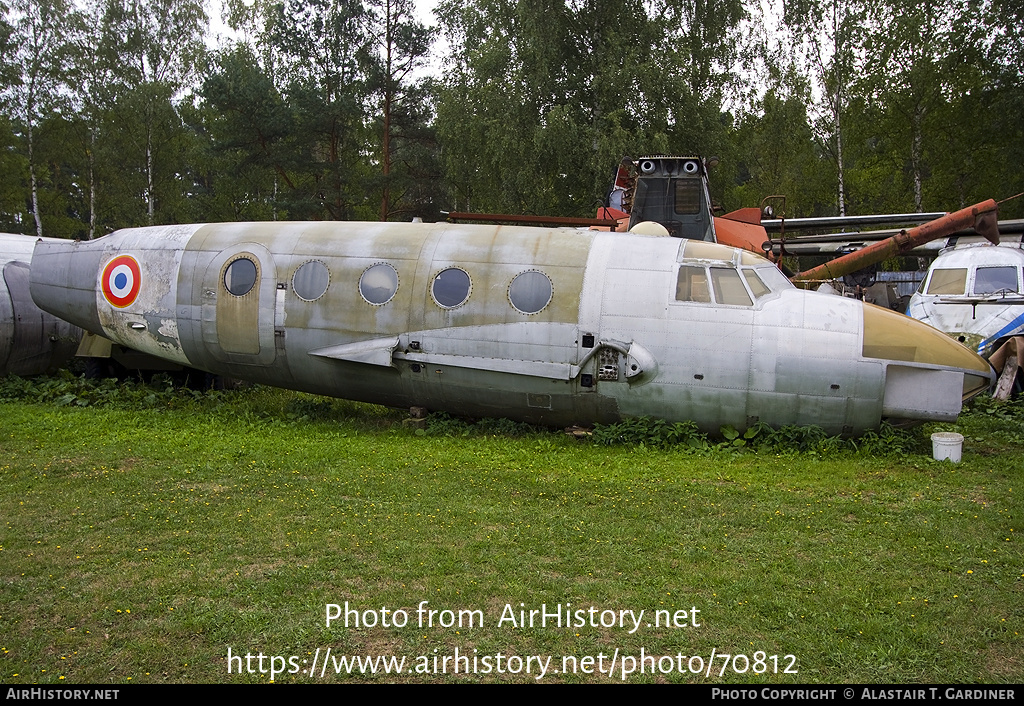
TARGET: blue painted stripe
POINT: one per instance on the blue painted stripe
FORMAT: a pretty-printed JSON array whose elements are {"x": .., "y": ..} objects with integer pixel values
[{"x": 1016, "y": 323}]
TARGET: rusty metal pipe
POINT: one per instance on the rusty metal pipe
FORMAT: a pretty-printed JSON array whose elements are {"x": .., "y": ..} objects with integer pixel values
[
  {"x": 776, "y": 224},
  {"x": 533, "y": 220},
  {"x": 982, "y": 216}
]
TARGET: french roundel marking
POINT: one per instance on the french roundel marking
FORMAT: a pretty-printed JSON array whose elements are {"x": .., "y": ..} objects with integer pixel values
[{"x": 121, "y": 281}]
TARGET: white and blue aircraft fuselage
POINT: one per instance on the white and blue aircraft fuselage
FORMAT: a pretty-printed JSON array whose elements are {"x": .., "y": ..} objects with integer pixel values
[{"x": 974, "y": 293}]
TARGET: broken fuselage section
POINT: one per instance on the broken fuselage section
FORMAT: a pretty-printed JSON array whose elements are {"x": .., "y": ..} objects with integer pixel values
[
  {"x": 32, "y": 341},
  {"x": 549, "y": 326}
]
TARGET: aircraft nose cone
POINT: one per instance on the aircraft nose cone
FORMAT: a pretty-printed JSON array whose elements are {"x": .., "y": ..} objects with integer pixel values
[{"x": 928, "y": 375}]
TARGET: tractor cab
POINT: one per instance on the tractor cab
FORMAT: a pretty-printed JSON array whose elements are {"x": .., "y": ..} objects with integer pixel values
[{"x": 673, "y": 191}]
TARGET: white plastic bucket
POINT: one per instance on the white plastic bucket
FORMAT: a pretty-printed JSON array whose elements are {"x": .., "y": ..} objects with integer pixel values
[{"x": 947, "y": 444}]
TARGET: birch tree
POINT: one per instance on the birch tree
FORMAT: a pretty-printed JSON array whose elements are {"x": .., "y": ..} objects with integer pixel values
[
  {"x": 542, "y": 98},
  {"x": 41, "y": 29},
  {"x": 159, "y": 45},
  {"x": 833, "y": 34},
  {"x": 922, "y": 59}
]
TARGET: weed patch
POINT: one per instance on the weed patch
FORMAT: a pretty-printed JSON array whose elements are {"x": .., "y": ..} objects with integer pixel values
[{"x": 760, "y": 438}]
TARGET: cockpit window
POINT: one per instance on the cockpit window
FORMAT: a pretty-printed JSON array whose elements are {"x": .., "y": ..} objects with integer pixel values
[
  {"x": 775, "y": 280},
  {"x": 732, "y": 286},
  {"x": 951, "y": 281},
  {"x": 729, "y": 287},
  {"x": 702, "y": 250},
  {"x": 989, "y": 280},
  {"x": 692, "y": 285},
  {"x": 757, "y": 287}
]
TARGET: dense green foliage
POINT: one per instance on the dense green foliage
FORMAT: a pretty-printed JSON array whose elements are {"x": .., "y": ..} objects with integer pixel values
[
  {"x": 984, "y": 418},
  {"x": 116, "y": 113}
]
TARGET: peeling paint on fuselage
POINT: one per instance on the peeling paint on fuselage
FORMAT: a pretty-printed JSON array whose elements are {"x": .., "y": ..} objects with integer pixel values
[{"x": 615, "y": 339}]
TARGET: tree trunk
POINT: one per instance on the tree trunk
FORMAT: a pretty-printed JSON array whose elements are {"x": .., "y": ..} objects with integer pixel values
[
  {"x": 149, "y": 168},
  {"x": 32, "y": 180},
  {"x": 915, "y": 158},
  {"x": 92, "y": 184},
  {"x": 385, "y": 199},
  {"x": 839, "y": 162}
]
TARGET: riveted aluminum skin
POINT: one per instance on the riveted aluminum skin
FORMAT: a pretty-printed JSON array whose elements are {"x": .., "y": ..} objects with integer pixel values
[
  {"x": 32, "y": 341},
  {"x": 616, "y": 338}
]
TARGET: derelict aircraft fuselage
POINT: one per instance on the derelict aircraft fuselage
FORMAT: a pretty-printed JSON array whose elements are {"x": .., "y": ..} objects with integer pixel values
[
  {"x": 31, "y": 341},
  {"x": 974, "y": 292},
  {"x": 550, "y": 326}
]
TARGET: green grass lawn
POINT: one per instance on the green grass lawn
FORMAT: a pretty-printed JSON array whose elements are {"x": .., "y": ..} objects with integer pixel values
[{"x": 146, "y": 534}]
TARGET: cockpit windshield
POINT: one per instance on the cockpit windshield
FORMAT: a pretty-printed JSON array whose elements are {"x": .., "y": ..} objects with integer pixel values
[
  {"x": 709, "y": 272},
  {"x": 989, "y": 280},
  {"x": 725, "y": 284}
]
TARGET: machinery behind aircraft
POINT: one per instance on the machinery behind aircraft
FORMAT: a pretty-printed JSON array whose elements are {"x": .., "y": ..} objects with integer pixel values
[
  {"x": 551, "y": 326},
  {"x": 673, "y": 192}
]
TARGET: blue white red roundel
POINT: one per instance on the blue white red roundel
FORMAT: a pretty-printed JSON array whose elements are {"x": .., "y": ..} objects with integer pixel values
[{"x": 121, "y": 280}]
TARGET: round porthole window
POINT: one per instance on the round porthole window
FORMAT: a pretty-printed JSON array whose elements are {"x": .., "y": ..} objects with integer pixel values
[
  {"x": 530, "y": 291},
  {"x": 311, "y": 279},
  {"x": 451, "y": 287},
  {"x": 240, "y": 276},
  {"x": 378, "y": 283}
]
